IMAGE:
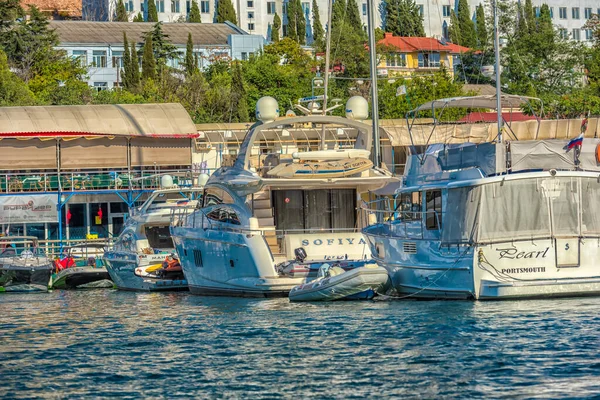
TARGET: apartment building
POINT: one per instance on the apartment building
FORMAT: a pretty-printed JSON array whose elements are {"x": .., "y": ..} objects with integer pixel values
[
  {"x": 99, "y": 45},
  {"x": 256, "y": 16}
]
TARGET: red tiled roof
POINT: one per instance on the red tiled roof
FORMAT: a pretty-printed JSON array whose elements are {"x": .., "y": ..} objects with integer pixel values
[{"x": 411, "y": 44}]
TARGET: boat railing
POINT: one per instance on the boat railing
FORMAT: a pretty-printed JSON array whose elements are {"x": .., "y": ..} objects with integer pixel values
[{"x": 383, "y": 219}]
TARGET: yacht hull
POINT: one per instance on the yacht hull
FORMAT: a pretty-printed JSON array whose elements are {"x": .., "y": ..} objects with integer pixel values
[
  {"x": 80, "y": 278},
  {"x": 24, "y": 279},
  {"x": 122, "y": 270}
]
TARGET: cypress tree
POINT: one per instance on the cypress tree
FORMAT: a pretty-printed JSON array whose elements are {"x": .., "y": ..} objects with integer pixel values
[
  {"x": 148, "y": 62},
  {"x": 126, "y": 71},
  {"x": 318, "y": 31},
  {"x": 338, "y": 11},
  {"x": 189, "y": 56},
  {"x": 226, "y": 12},
  {"x": 454, "y": 28},
  {"x": 194, "y": 13},
  {"x": 152, "y": 12},
  {"x": 522, "y": 30},
  {"x": 468, "y": 37},
  {"x": 403, "y": 18},
  {"x": 292, "y": 26},
  {"x": 353, "y": 16},
  {"x": 138, "y": 18},
  {"x": 530, "y": 17},
  {"x": 134, "y": 78},
  {"x": 482, "y": 34},
  {"x": 121, "y": 12},
  {"x": 275, "y": 28},
  {"x": 238, "y": 93},
  {"x": 300, "y": 22},
  {"x": 392, "y": 16}
]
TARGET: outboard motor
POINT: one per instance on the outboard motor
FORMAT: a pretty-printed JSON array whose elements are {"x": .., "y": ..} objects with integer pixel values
[{"x": 300, "y": 254}]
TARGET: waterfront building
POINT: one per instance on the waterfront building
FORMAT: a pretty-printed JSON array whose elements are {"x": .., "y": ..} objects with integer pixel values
[
  {"x": 256, "y": 16},
  {"x": 99, "y": 45}
]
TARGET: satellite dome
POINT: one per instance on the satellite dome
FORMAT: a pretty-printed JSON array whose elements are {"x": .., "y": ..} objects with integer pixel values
[
  {"x": 357, "y": 108},
  {"x": 166, "y": 181},
  {"x": 202, "y": 179},
  {"x": 267, "y": 109}
]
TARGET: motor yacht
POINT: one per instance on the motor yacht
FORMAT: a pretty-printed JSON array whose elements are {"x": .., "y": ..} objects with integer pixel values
[
  {"x": 143, "y": 256},
  {"x": 24, "y": 266},
  {"x": 267, "y": 223},
  {"x": 498, "y": 220},
  {"x": 81, "y": 267}
]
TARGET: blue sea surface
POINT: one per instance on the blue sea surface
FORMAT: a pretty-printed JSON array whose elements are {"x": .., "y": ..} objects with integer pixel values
[{"x": 102, "y": 343}]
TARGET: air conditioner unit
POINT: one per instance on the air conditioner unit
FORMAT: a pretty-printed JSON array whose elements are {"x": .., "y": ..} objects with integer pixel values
[{"x": 203, "y": 146}]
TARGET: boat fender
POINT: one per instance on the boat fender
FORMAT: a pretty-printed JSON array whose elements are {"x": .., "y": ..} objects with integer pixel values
[{"x": 598, "y": 153}]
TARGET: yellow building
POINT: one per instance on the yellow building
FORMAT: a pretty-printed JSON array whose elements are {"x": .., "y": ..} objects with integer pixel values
[{"x": 407, "y": 55}]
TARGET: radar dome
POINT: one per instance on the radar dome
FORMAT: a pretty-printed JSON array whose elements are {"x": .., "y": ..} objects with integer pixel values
[
  {"x": 357, "y": 108},
  {"x": 267, "y": 109},
  {"x": 166, "y": 181},
  {"x": 202, "y": 179}
]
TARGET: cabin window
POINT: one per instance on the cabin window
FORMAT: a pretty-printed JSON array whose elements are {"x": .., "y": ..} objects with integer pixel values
[
  {"x": 159, "y": 237},
  {"x": 224, "y": 215},
  {"x": 433, "y": 208},
  {"x": 410, "y": 206},
  {"x": 214, "y": 196},
  {"x": 323, "y": 209}
]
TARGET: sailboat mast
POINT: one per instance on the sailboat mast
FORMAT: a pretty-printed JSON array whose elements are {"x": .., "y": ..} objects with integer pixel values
[
  {"x": 374, "y": 98},
  {"x": 497, "y": 68},
  {"x": 327, "y": 53}
]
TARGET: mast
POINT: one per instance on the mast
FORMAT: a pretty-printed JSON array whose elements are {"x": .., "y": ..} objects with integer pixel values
[
  {"x": 497, "y": 68},
  {"x": 374, "y": 99},
  {"x": 327, "y": 53}
]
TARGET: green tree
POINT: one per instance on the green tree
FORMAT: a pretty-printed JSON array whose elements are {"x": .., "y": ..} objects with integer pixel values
[
  {"x": 292, "y": 17},
  {"x": 467, "y": 36},
  {"x": 275, "y": 28},
  {"x": 317, "y": 27},
  {"x": 134, "y": 78},
  {"x": 148, "y": 62},
  {"x": 226, "y": 12},
  {"x": 530, "y": 17},
  {"x": 152, "y": 11},
  {"x": 163, "y": 49},
  {"x": 482, "y": 33},
  {"x": 353, "y": 15},
  {"x": 126, "y": 71},
  {"x": 190, "y": 64},
  {"x": 403, "y": 18},
  {"x": 195, "y": 13},
  {"x": 338, "y": 12},
  {"x": 138, "y": 18},
  {"x": 239, "y": 104},
  {"x": 121, "y": 12},
  {"x": 300, "y": 22},
  {"x": 13, "y": 91}
]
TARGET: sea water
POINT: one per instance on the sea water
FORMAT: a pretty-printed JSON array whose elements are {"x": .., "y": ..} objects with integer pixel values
[{"x": 101, "y": 343}]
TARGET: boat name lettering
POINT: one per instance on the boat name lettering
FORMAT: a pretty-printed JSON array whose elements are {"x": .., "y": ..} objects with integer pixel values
[
  {"x": 523, "y": 270},
  {"x": 513, "y": 253},
  {"x": 330, "y": 242}
]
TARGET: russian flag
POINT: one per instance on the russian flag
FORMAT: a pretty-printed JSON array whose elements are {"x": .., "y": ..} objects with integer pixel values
[{"x": 578, "y": 141}]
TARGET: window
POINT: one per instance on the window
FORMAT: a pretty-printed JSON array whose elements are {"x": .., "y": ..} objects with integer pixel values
[
  {"x": 575, "y": 12},
  {"x": 117, "y": 59},
  {"x": 205, "y": 7},
  {"x": 562, "y": 12},
  {"x": 410, "y": 206},
  {"x": 271, "y": 7},
  {"x": 588, "y": 34},
  {"x": 364, "y": 9},
  {"x": 421, "y": 9},
  {"x": 588, "y": 13},
  {"x": 224, "y": 215},
  {"x": 250, "y": 26},
  {"x": 99, "y": 58},
  {"x": 576, "y": 34},
  {"x": 250, "y": 4},
  {"x": 244, "y": 56},
  {"x": 536, "y": 11},
  {"x": 433, "y": 209},
  {"x": 175, "y": 6},
  {"x": 429, "y": 60},
  {"x": 81, "y": 55},
  {"x": 250, "y": 14},
  {"x": 551, "y": 12},
  {"x": 129, "y": 6},
  {"x": 160, "y": 6},
  {"x": 99, "y": 86},
  {"x": 306, "y": 8},
  {"x": 216, "y": 196},
  {"x": 396, "y": 60},
  {"x": 284, "y": 29},
  {"x": 188, "y": 6},
  {"x": 563, "y": 33},
  {"x": 446, "y": 11},
  {"x": 142, "y": 9},
  {"x": 159, "y": 237}
]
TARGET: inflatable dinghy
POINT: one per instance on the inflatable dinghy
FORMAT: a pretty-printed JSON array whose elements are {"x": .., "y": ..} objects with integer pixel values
[
  {"x": 322, "y": 170},
  {"x": 330, "y": 155}
]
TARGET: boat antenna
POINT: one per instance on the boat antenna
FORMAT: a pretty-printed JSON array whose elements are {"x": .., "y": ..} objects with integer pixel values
[
  {"x": 497, "y": 67},
  {"x": 374, "y": 99},
  {"x": 327, "y": 54}
]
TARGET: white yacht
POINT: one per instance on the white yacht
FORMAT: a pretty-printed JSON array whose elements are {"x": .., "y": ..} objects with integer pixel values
[
  {"x": 270, "y": 221},
  {"x": 143, "y": 256},
  {"x": 509, "y": 219},
  {"x": 24, "y": 267}
]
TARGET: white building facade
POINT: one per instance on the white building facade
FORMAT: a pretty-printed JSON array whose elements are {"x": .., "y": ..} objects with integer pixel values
[
  {"x": 256, "y": 16},
  {"x": 99, "y": 45}
]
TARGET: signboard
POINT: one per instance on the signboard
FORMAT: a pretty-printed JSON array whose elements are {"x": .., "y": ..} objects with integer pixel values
[
  {"x": 28, "y": 209},
  {"x": 328, "y": 246}
]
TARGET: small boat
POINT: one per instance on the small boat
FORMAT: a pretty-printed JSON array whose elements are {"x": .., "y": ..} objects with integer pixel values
[
  {"x": 310, "y": 269},
  {"x": 331, "y": 155},
  {"x": 334, "y": 283},
  {"x": 81, "y": 267},
  {"x": 24, "y": 267},
  {"x": 322, "y": 170}
]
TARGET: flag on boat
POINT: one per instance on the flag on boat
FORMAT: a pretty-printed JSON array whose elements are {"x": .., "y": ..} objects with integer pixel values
[
  {"x": 182, "y": 202},
  {"x": 575, "y": 142}
]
